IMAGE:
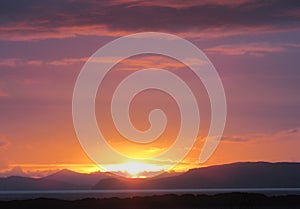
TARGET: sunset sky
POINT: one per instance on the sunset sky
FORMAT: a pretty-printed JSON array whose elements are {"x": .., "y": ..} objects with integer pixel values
[{"x": 254, "y": 46}]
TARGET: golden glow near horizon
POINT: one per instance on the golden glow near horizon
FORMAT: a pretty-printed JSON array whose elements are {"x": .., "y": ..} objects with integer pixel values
[
  {"x": 129, "y": 169},
  {"x": 134, "y": 169}
]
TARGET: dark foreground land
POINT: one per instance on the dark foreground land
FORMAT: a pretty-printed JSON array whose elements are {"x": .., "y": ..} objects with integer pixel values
[{"x": 230, "y": 200}]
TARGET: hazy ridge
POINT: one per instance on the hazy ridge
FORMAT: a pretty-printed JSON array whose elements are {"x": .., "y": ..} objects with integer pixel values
[{"x": 236, "y": 175}]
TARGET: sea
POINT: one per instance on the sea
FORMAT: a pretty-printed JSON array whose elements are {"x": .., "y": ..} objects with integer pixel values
[{"x": 99, "y": 194}]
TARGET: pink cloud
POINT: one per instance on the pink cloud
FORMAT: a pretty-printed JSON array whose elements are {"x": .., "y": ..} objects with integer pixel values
[
  {"x": 178, "y": 3},
  {"x": 16, "y": 62},
  {"x": 4, "y": 143},
  {"x": 284, "y": 135},
  {"x": 3, "y": 93},
  {"x": 28, "y": 33},
  {"x": 13, "y": 62},
  {"x": 27, "y": 81},
  {"x": 10, "y": 62},
  {"x": 130, "y": 64},
  {"x": 254, "y": 49},
  {"x": 67, "y": 61}
]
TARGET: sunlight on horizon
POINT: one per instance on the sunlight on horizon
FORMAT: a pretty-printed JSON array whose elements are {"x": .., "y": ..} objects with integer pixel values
[{"x": 135, "y": 169}]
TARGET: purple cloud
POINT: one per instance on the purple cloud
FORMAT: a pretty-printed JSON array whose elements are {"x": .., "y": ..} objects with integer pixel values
[{"x": 57, "y": 19}]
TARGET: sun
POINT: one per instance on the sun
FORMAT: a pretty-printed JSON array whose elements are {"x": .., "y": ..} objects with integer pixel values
[{"x": 134, "y": 169}]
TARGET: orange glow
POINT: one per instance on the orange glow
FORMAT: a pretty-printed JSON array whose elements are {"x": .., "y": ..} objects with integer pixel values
[{"x": 134, "y": 169}]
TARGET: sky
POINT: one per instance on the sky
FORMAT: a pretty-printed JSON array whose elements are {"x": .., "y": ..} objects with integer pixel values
[{"x": 254, "y": 46}]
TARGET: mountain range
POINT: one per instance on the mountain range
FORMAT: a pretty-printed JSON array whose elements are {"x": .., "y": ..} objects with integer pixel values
[
  {"x": 62, "y": 180},
  {"x": 235, "y": 175}
]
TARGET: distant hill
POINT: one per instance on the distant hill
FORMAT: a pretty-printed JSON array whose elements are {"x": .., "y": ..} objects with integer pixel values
[
  {"x": 25, "y": 183},
  {"x": 62, "y": 180},
  {"x": 236, "y": 175},
  {"x": 70, "y": 177}
]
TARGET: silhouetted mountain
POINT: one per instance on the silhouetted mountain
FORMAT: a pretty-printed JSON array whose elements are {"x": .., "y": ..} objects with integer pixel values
[
  {"x": 25, "y": 183},
  {"x": 87, "y": 180},
  {"x": 236, "y": 175},
  {"x": 62, "y": 180}
]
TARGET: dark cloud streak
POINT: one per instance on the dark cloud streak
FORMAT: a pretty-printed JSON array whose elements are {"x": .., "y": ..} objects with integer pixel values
[{"x": 72, "y": 17}]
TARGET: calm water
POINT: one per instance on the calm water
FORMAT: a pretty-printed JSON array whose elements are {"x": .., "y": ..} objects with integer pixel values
[{"x": 80, "y": 194}]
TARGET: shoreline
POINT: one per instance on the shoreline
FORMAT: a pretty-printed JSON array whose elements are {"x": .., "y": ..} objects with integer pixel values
[
  {"x": 168, "y": 201},
  {"x": 130, "y": 193}
]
